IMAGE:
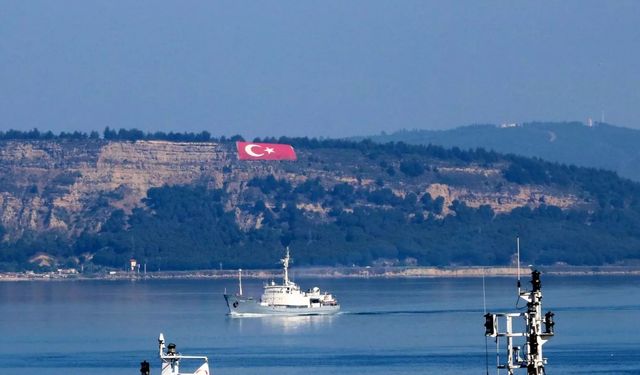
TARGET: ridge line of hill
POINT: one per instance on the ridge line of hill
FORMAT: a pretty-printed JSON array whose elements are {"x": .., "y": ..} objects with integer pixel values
[
  {"x": 596, "y": 145},
  {"x": 92, "y": 204}
]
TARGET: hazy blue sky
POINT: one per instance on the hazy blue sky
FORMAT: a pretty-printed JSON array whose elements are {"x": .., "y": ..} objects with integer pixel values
[{"x": 322, "y": 68}]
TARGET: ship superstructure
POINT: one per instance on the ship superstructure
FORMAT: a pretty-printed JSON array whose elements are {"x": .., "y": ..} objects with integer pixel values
[
  {"x": 282, "y": 299},
  {"x": 170, "y": 360},
  {"x": 502, "y": 326}
]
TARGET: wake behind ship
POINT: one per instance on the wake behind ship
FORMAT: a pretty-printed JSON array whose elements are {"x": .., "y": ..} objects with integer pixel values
[{"x": 282, "y": 299}]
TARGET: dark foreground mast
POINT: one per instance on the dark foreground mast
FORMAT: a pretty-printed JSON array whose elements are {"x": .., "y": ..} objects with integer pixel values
[
  {"x": 170, "y": 361},
  {"x": 532, "y": 337}
]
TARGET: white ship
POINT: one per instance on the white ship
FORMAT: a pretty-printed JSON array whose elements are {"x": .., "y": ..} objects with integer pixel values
[{"x": 282, "y": 299}]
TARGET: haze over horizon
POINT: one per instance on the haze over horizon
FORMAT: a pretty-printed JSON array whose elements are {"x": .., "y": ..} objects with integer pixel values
[{"x": 329, "y": 69}]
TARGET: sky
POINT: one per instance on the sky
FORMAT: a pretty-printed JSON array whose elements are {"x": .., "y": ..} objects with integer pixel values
[{"x": 319, "y": 69}]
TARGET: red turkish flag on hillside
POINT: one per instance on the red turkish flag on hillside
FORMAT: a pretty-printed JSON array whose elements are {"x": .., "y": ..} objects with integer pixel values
[{"x": 265, "y": 151}]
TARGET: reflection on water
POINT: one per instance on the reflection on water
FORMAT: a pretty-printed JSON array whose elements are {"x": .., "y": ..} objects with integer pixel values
[{"x": 284, "y": 324}]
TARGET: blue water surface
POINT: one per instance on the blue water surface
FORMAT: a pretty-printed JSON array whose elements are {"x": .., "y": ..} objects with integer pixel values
[{"x": 387, "y": 326}]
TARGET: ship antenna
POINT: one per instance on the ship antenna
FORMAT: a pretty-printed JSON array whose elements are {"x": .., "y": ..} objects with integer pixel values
[
  {"x": 519, "y": 284},
  {"x": 518, "y": 262},
  {"x": 285, "y": 263},
  {"x": 240, "y": 280},
  {"x": 484, "y": 306}
]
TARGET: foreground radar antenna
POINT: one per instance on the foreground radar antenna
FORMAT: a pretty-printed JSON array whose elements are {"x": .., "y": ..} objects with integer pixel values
[
  {"x": 518, "y": 262},
  {"x": 532, "y": 337},
  {"x": 171, "y": 358}
]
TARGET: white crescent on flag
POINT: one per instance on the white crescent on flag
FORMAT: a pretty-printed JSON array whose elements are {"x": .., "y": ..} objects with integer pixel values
[{"x": 249, "y": 150}]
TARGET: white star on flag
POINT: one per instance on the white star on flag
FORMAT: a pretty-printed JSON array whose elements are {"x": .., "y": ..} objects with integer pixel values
[{"x": 269, "y": 150}]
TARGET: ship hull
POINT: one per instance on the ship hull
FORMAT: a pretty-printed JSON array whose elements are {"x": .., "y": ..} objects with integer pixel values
[{"x": 246, "y": 306}]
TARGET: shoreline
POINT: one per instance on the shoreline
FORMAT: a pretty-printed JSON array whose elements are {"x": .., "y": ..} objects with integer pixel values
[{"x": 331, "y": 273}]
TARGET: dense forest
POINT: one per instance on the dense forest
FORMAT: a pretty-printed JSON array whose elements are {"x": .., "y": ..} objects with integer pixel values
[
  {"x": 193, "y": 227},
  {"x": 191, "y": 221}
]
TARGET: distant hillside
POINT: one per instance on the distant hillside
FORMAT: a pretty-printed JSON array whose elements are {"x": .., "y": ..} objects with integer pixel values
[
  {"x": 601, "y": 146},
  {"x": 89, "y": 202}
]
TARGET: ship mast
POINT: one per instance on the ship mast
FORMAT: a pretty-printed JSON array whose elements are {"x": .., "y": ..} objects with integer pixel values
[
  {"x": 533, "y": 336},
  {"x": 285, "y": 262}
]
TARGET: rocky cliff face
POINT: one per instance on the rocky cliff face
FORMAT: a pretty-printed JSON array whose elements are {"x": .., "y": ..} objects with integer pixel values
[{"x": 74, "y": 186}]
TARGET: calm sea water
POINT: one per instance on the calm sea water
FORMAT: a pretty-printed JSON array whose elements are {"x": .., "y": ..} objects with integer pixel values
[{"x": 396, "y": 326}]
